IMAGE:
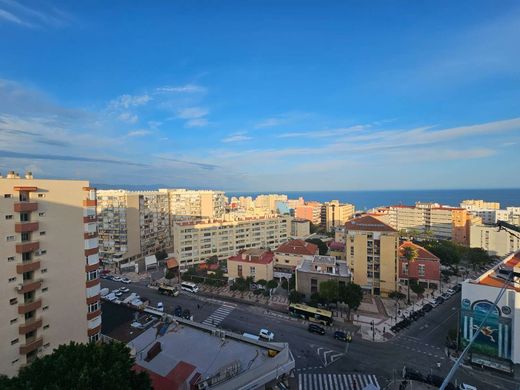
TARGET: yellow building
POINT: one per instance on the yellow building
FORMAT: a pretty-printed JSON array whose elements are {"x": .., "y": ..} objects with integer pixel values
[
  {"x": 49, "y": 268},
  {"x": 255, "y": 263},
  {"x": 372, "y": 254},
  {"x": 288, "y": 255},
  {"x": 479, "y": 204},
  {"x": 335, "y": 214}
]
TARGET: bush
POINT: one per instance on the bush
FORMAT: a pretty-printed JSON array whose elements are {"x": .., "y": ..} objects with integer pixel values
[
  {"x": 266, "y": 293},
  {"x": 261, "y": 282},
  {"x": 257, "y": 292},
  {"x": 296, "y": 297},
  {"x": 285, "y": 284},
  {"x": 271, "y": 284},
  {"x": 396, "y": 295}
]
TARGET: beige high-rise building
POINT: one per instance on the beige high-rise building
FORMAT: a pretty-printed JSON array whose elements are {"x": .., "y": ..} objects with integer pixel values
[
  {"x": 335, "y": 214},
  {"x": 268, "y": 202},
  {"x": 196, "y": 241},
  {"x": 49, "y": 266},
  {"x": 479, "y": 204},
  {"x": 496, "y": 242},
  {"x": 132, "y": 224},
  {"x": 187, "y": 204},
  {"x": 372, "y": 252}
]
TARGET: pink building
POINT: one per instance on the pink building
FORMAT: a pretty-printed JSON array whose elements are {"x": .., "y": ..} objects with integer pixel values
[{"x": 426, "y": 268}]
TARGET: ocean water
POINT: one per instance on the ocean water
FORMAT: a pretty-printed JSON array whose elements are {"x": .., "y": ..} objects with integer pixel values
[{"x": 364, "y": 200}]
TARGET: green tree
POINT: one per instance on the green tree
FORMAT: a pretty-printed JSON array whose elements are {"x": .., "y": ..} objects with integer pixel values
[
  {"x": 397, "y": 295},
  {"x": 322, "y": 247},
  {"x": 170, "y": 274},
  {"x": 271, "y": 284},
  {"x": 296, "y": 297},
  {"x": 81, "y": 366},
  {"x": 416, "y": 287},
  {"x": 161, "y": 255},
  {"x": 329, "y": 291},
  {"x": 261, "y": 282},
  {"x": 212, "y": 260},
  {"x": 352, "y": 295},
  {"x": 410, "y": 254}
]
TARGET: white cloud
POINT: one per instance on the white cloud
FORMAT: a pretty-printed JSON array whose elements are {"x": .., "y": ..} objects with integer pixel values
[
  {"x": 192, "y": 112},
  {"x": 199, "y": 122},
  {"x": 22, "y": 15},
  {"x": 237, "y": 137},
  {"x": 127, "y": 101},
  {"x": 128, "y": 117},
  {"x": 188, "y": 88},
  {"x": 6, "y": 15},
  {"x": 282, "y": 119},
  {"x": 325, "y": 133},
  {"x": 139, "y": 133}
]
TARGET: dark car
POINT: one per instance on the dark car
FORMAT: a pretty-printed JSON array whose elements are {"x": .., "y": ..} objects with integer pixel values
[
  {"x": 427, "y": 308},
  {"x": 186, "y": 314},
  {"x": 436, "y": 380},
  {"x": 178, "y": 311},
  {"x": 414, "y": 375},
  {"x": 439, "y": 300},
  {"x": 340, "y": 336},
  {"x": 313, "y": 328}
]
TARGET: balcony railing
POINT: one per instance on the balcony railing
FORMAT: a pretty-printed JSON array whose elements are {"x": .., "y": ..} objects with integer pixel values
[
  {"x": 25, "y": 227},
  {"x": 30, "y": 325},
  {"x": 27, "y": 266},
  {"x": 29, "y": 306},
  {"x": 28, "y": 246},
  {"x": 31, "y": 345},
  {"x": 29, "y": 286},
  {"x": 21, "y": 207}
]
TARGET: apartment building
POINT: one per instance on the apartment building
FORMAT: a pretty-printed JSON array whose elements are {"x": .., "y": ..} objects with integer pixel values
[
  {"x": 195, "y": 241},
  {"x": 49, "y": 286},
  {"x": 268, "y": 202},
  {"x": 316, "y": 269},
  {"x": 288, "y": 255},
  {"x": 372, "y": 252},
  {"x": 256, "y": 263},
  {"x": 496, "y": 242},
  {"x": 300, "y": 228},
  {"x": 187, "y": 204},
  {"x": 310, "y": 211},
  {"x": 335, "y": 214},
  {"x": 442, "y": 222},
  {"x": 491, "y": 216},
  {"x": 132, "y": 224},
  {"x": 479, "y": 204}
]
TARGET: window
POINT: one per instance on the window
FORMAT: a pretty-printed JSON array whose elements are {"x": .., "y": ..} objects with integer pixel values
[
  {"x": 45, "y": 289},
  {"x": 26, "y": 237},
  {"x": 351, "y": 251},
  {"x": 252, "y": 270},
  {"x": 7, "y": 195},
  {"x": 26, "y": 256},
  {"x": 46, "y": 326},
  {"x": 44, "y": 270},
  {"x": 93, "y": 307},
  {"x": 93, "y": 338},
  {"x": 405, "y": 268},
  {"x": 24, "y": 217},
  {"x": 13, "y": 301},
  {"x": 10, "y": 238},
  {"x": 42, "y": 233},
  {"x": 41, "y": 195},
  {"x": 92, "y": 275},
  {"x": 422, "y": 270},
  {"x": 14, "y": 321},
  {"x": 14, "y": 361},
  {"x": 9, "y": 216},
  {"x": 10, "y": 258},
  {"x": 15, "y": 341},
  {"x": 13, "y": 279},
  {"x": 45, "y": 308},
  {"x": 41, "y": 214}
]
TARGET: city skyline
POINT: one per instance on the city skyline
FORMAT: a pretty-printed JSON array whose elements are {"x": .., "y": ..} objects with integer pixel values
[{"x": 260, "y": 96}]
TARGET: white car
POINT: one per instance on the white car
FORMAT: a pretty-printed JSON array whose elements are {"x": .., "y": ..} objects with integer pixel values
[
  {"x": 126, "y": 280},
  {"x": 124, "y": 289},
  {"x": 116, "y": 278},
  {"x": 160, "y": 306},
  {"x": 266, "y": 334},
  {"x": 465, "y": 386}
]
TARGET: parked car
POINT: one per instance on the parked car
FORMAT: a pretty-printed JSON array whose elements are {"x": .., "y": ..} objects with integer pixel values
[
  {"x": 104, "y": 291},
  {"x": 186, "y": 314},
  {"x": 445, "y": 296},
  {"x": 160, "y": 306},
  {"x": 340, "y": 336},
  {"x": 427, "y": 308},
  {"x": 465, "y": 386},
  {"x": 451, "y": 291},
  {"x": 439, "y": 300},
  {"x": 433, "y": 302},
  {"x": 103, "y": 276},
  {"x": 126, "y": 280},
  {"x": 124, "y": 290},
  {"x": 116, "y": 278},
  {"x": 178, "y": 311},
  {"x": 266, "y": 334},
  {"x": 313, "y": 328}
]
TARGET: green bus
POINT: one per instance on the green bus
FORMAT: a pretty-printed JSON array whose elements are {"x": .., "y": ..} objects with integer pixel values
[{"x": 310, "y": 313}]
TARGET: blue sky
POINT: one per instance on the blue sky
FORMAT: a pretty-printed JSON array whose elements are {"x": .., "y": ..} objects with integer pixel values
[{"x": 263, "y": 95}]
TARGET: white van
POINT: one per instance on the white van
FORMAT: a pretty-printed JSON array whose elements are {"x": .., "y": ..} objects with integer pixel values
[
  {"x": 189, "y": 286},
  {"x": 103, "y": 292}
]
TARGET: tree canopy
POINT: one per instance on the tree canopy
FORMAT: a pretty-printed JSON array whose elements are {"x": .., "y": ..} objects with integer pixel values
[
  {"x": 81, "y": 366},
  {"x": 322, "y": 247},
  {"x": 451, "y": 253}
]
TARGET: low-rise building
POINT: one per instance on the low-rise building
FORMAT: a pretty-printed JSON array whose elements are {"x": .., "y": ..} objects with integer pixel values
[
  {"x": 425, "y": 269},
  {"x": 255, "y": 263},
  {"x": 493, "y": 240},
  {"x": 337, "y": 249},
  {"x": 316, "y": 269},
  {"x": 288, "y": 255},
  {"x": 498, "y": 343},
  {"x": 372, "y": 254},
  {"x": 300, "y": 228}
]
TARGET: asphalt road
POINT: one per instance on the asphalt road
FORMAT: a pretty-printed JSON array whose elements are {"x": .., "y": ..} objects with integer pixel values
[{"x": 421, "y": 346}]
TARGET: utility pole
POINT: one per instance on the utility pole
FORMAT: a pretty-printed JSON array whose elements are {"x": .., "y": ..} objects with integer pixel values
[{"x": 373, "y": 331}]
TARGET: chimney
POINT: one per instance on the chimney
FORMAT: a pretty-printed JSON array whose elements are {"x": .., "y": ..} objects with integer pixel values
[
  {"x": 28, "y": 175},
  {"x": 10, "y": 175}
]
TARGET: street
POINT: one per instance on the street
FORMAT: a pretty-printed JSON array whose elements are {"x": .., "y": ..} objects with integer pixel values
[{"x": 421, "y": 346}]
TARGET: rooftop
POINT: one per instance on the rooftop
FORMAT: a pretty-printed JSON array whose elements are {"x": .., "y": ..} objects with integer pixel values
[
  {"x": 297, "y": 247},
  {"x": 368, "y": 224},
  {"x": 494, "y": 277},
  {"x": 422, "y": 253},
  {"x": 327, "y": 265},
  {"x": 256, "y": 255}
]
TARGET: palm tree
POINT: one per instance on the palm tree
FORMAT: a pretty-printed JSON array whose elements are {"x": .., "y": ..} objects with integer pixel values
[{"x": 410, "y": 253}]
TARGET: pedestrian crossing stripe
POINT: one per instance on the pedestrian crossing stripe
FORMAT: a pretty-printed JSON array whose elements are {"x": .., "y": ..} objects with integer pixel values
[
  {"x": 219, "y": 315},
  {"x": 336, "y": 381}
]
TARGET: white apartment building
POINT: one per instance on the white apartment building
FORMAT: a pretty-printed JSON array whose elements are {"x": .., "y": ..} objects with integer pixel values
[
  {"x": 49, "y": 286},
  {"x": 187, "y": 204},
  {"x": 196, "y": 241},
  {"x": 132, "y": 224},
  {"x": 335, "y": 214},
  {"x": 491, "y": 213},
  {"x": 495, "y": 242},
  {"x": 268, "y": 202}
]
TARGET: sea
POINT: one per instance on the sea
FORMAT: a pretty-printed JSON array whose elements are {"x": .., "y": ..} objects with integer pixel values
[{"x": 365, "y": 200}]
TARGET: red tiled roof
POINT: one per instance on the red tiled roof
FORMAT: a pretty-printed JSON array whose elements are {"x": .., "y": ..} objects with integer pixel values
[
  {"x": 490, "y": 279},
  {"x": 367, "y": 223},
  {"x": 174, "y": 380},
  {"x": 250, "y": 256},
  {"x": 171, "y": 263},
  {"x": 422, "y": 253},
  {"x": 297, "y": 247}
]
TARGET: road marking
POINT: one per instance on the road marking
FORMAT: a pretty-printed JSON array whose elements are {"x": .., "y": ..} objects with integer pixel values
[
  {"x": 219, "y": 315},
  {"x": 336, "y": 381}
]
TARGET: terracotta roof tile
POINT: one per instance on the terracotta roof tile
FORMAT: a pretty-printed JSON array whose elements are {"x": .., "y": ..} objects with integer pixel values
[
  {"x": 254, "y": 256},
  {"x": 367, "y": 223},
  {"x": 297, "y": 247},
  {"x": 423, "y": 253}
]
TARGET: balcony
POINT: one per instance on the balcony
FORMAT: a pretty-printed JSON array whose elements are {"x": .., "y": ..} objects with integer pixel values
[
  {"x": 25, "y": 227},
  {"x": 29, "y": 286},
  {"x": 94, "y": 314},
  {"x": 21, "y": 207},
  {"x": 30, "y": 325},
  {"x": 29, "y": 306},
  {"x": 31, "y": 345},
  {"x": 87, "y": 236},
  {"x": 29, "y": 246},
  {"x": 89, "y": 203},
  {"x": 89, "y": 219},
  {"x": 27, "y": 266}
]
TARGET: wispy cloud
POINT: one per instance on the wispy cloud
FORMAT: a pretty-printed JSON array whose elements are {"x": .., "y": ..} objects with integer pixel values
[
  {"x": 127, "y": 101},
  {"x": 188, "y": 88},
  {"x": 139, "y": 133},
  {"x": 281, "y": 119},
  {"x": 31, "y": 17},
  {"x": 128, "y": 117},
  {"x": 236, "y": 137},
  {"x": 206, "y": 166},
  {"x": 192, "y": 112},
  {"x": 36, "y": 156},
  {"x": 325, "y": 133}
]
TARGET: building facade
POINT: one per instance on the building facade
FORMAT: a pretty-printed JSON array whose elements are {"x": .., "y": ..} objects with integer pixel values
[
  {"x": 425, "y": 269},
  {"x": 316, "y": 269},
  {"x": 255, "y": 263},
  {"x": 49, "y": 249},
  {"x": 189, "y": 204},
  {"x": 132, "y": 224},
  {"x": 300, "y": 228},
  {"x": 372, "y": 254},
  {"x": 496, "y": 242},
  {"x": 498, "y": 343},
  {"x": 290, "y": 254},
  {"x": 335, "y": 214},
  {"x": 195, "y": 241}
]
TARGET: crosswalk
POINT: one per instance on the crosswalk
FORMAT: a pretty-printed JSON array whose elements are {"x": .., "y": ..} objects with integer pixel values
[
  {"x": 328, "y": 356},
  {"x": 219, "y": 315},
  {"x": 337, "y": 382}
]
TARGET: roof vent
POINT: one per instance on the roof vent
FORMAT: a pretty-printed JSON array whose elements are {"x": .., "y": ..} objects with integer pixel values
[{"x": 28, "y": 175}]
